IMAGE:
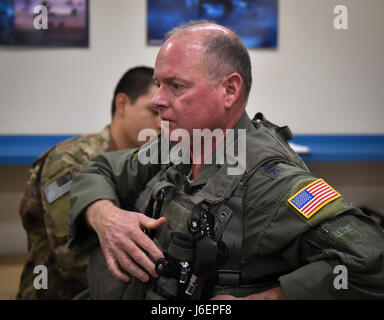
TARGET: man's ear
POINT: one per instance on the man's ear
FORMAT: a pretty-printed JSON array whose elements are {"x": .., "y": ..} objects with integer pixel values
[
  {"x": 232, "y": 85},
  {"x": 121, "y": 100}
]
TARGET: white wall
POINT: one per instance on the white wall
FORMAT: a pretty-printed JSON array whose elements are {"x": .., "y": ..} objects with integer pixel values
[{"x": 319, "y": 80}]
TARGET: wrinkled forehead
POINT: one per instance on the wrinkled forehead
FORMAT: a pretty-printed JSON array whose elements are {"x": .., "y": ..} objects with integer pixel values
[
  {"x": 184, "y": 51},
  {"x": 179, "y": 54}
]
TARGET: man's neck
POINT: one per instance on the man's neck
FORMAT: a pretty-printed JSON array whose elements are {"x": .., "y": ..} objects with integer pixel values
[
  {"x": 120, "y": 140},
  {"x": 198, "y": 159}
]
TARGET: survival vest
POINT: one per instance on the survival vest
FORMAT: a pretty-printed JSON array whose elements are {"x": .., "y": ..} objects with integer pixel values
[{"x": 202, "y": 239}]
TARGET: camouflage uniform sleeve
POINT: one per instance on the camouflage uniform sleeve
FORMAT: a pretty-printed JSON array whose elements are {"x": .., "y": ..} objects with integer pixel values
[
  {"x": 60, "y": 166},
  {"x": 340, "y": 257},
  {"x": 117, "y": 176},
  {"x": 31, "y": 214}
]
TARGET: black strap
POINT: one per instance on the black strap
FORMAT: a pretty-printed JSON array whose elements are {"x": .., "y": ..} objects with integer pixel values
[
  {"x": 164, "y": 293},
  {"x": 233, "y": 237},
  {"x": 285, "y": 133}
]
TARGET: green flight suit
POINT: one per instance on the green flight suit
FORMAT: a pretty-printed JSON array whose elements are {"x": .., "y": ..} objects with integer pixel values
[
  {"x": 280, "y": 245},
  {"x": 45, "y": 219}
]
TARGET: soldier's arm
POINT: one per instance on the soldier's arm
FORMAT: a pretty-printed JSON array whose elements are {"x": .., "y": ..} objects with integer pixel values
[
  {"x": 344, "y": 259},
  {"x": 56, "y": 175},
  {"x": 115, "y": 176},
  {"x": 339, "y": 235},
  {"x": 316, "y": 250},
  {"x": 31, "y": 214},
  {"x": 108, "y": 183},
  {"x": 330, "y": 235},
  {"x": 61, "y": 166}
]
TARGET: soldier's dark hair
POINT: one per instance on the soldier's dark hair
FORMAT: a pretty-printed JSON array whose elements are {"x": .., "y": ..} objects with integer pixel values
[
  {"x": 134, "y": 83},
  {"x": 224, "y": 54}
]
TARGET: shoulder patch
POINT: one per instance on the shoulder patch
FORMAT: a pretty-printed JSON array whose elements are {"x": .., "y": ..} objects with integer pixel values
[
  {"x": 313, "y": 197},
  {"x": 58, "y": 188}
]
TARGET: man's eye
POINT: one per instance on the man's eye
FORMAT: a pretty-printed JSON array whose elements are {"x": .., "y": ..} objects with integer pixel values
[{"x": 176, "y": 86}]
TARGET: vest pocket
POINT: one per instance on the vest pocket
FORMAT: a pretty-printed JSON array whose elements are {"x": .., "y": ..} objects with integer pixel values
[
  {"x": 177, "y": 216},
  {"x": 165, "y": 289},
  {"x": 103, "y": 286}
]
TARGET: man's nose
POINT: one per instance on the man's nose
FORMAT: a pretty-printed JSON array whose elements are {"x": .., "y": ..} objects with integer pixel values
[{"x": 159, "y": 99}]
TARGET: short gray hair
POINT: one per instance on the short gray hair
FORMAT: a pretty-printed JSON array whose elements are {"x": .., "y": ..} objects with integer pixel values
[{"x": 224, "y": 54}]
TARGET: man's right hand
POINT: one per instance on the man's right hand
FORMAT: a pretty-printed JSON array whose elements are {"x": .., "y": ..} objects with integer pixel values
[{"x": 121, "y": 236}]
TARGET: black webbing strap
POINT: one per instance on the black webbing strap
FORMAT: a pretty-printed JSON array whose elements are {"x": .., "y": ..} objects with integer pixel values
[
  {"x": 233, "y": 238},
  {"x": 284, "y": 132}
]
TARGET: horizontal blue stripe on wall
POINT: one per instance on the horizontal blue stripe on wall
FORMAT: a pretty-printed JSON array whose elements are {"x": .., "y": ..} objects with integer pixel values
[
  {"x": 342, "y": 148},
  {"x": 24, "y": 149}
]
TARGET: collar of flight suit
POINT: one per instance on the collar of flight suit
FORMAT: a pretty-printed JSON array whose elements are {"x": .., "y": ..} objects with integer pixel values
[{"x": 210, "y": 169}]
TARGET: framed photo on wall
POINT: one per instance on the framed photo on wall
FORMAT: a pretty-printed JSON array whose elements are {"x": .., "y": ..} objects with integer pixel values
[
  {"x": 255, "y": 21},
  {"x": 52, "y": 23}
]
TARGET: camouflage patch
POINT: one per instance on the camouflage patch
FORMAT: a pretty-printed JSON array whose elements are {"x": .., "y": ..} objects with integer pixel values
[{"x": 58, "y": 188}]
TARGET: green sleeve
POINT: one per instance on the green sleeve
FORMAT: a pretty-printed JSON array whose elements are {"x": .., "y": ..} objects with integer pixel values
[
  {"x": 350, "y": 239},
  {"x": 117, "y": 176}
]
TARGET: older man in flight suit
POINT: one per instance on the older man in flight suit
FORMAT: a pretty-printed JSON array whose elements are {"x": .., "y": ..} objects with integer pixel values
[{"x": 272, "y": 231}]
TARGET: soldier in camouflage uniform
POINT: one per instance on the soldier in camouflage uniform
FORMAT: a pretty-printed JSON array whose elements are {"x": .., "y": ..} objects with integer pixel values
[{"x": 45, "y": 206}]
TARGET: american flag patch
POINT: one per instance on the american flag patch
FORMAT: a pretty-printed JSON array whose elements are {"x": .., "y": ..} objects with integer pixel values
[{"x": 313, "y": 197}]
